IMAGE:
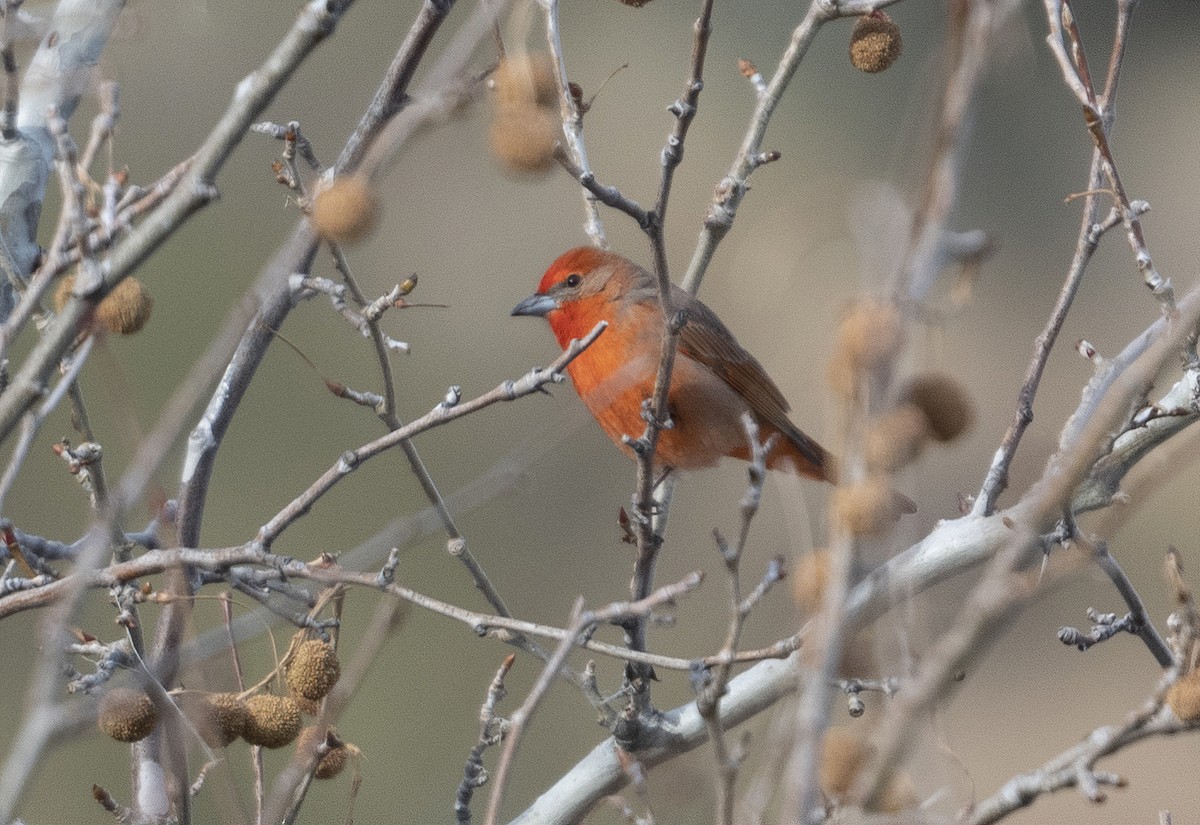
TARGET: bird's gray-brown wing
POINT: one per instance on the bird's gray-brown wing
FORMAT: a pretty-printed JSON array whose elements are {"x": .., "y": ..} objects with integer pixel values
[{"x": 704, "y": 338}]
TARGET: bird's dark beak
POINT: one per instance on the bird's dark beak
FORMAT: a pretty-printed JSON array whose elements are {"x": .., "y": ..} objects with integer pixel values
[{"x": 538, "y": 305}]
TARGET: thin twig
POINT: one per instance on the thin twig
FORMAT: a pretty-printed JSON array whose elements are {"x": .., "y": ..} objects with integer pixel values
[
  {"x": 733, "y": 186},
  {"x": 1098, "y": 117},
  {"x": 491, "y": 732},
  {"x": 1092, "y": 228},
  {"x": 728, "y": 761},
  {"x": 572, "y": 120},
  {"x": 443, "y": 413}
]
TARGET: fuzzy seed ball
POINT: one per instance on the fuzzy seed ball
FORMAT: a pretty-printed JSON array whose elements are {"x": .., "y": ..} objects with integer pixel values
[
  {"x": 809, "y": 580},
  {"x": 309, "y": 707},
  {"x": 868, "y": 508},
  {"x": 1184, "y": 697},
  {"x": 219, "y": 717},
  {"x": 842, "y": 756},
  {"x": 345, "y": 211},
  {"x": 63, "y": 291},
  {"x": 899, "y": 795},
  {"x": 945, "y": 403},
  {"x": 875, "y": 42},
  {"x": 523, "y": 139},
  {"x": 331, "y": 763},
  {"x": 271, "y": 721},
  {"x": 126, "y": 309},
  {"x": 858, "y": 656},
  {"x": 314, "y": 670},
  {"x": 895, "y": 439},
  {"x": 123, "y": 311},
  {"x": 127, "y": 715},
  {"x": 334, "y": 760},
  {"x": 868, "y": 336},
  {"x": 526, "y": 80}
]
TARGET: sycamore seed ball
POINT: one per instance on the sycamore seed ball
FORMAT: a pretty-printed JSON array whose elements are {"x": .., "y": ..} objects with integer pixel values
[
  {"x": 1184, "y": 697},
  {"x": 945, "y": 403},
  {"x": 63, "y": 291},
  {"x": 331, "y": 763},
  {"x": 345, "y": 211},
  {"x": 868, "y": 336},
  {"x": 126, "y": 309},
  {"x": 810, "y": 579},
  {"x": 309, "y": 707},
  {"x": 875, "y": 43},
  {"x": 123, "y": 311},
  {"x": 895, "y": 439},
  {"x": 272, "y": 721},
  {"x": 842, "y": 757},
  {"x": 220, "y": 718},
  {"x": 523, "y": 139},
  {"x": 868, "y": 508},
  {"x": 334, "y": 760},
  {"x": 314, "y": 670},
  {"x": 525, "y": 80},
  {"x": 127, "y": 715},
  {"x": 899, "y": 795}
]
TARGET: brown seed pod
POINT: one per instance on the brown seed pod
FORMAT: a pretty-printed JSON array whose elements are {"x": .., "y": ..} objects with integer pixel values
[
  {"x": 868, "y": 336},
  {"x": 523, "y": 139},
  {"x": 63, "y": 291},
  {"x": 875, "y": 43},
  {"x": 126, "y": 309},
  {"x": 843, "y": 755},
  {"x": 1183, "y": 698},
  {"x": 334, "y": 760},
  {"x": 868, "y": 508},
  {"x": 219, "y": 717},
  {"x": 858, "y": 656},
  {"x": 810, "y": 579},
  {"x": 123, "y": 311},
  {"x": 895, "y": 439},
  {"x": 526, "y": 80},
  {"x": 345, "y": 211},
  {"x": 271, "y": 721},
  {"x": 127, "y": 715},
  {"x": 945, "y": 403},
  {"x": 309, "y": 707},
  {"x": 899, "y": 795},
  {"x": 314, "y": 670}
]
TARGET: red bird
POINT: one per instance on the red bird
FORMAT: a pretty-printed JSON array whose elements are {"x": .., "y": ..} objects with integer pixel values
[{"x": 714, "y": 382}]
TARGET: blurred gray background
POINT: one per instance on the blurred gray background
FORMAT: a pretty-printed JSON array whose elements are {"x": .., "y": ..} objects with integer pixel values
[{"x": 545, "y": 524}]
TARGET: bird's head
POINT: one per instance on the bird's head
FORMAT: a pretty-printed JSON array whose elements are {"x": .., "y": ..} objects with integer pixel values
[{"x": 580, "y": 288}]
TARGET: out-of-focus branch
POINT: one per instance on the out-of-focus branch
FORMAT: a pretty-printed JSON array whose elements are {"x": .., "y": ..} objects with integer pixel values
[
  {"x": 233, "y": 562},
  {"x": 733, "y": 186},
  {"x": 1076, "y": 767},
  {"x": 70, "y": 50},
  {"x": 1065, "y": 33},
  {"x": 952, "y": 547},
  {"x": 315, "y": 22},
  {"x": 728, "y": 760},
  {"x": 1092, "y": 228},
  {"x": 572, "y": 120},
  {"x": 443, "y": 413}
]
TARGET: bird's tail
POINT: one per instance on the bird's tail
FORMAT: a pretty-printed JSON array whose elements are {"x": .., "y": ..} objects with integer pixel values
[{"x": 796, "y": 452}]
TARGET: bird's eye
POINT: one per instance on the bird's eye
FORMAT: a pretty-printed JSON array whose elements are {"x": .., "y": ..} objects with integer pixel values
[{"x": 573, "y": 280}]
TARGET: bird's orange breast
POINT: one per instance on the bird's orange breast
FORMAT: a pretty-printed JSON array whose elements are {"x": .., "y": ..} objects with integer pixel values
[{"x": 616, "y": 375}]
